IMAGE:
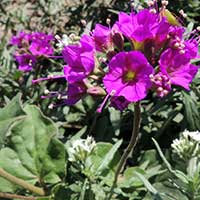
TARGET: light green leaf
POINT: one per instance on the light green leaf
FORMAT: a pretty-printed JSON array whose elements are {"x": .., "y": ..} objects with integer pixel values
[
  {"x": 35, "y": 154},
  {"x": 191, "y": 111},
  {"x": 8, "y": 115},
  {"x": 149, "y": 186},
  {"x": 109, "y": 157}
]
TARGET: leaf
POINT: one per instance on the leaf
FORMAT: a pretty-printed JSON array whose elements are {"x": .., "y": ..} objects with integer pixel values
[
  {"x": 8, "y": 115},
  {"x": 169, "y": 193},
  {"x": 98, "y": 191},
  {"x": 109, "y": 157},
  {"x": 130, "y": 179},
  {"x": 76, "y": 136},
  {"x": 180, "y": 175},
  {"x": 115, "y": 116},
  {"x": 191, "y": 111},
  {"x": 34, "y": 154},
  {"x": 149, "y": 186},
  {"x": 94, "y": 166}
]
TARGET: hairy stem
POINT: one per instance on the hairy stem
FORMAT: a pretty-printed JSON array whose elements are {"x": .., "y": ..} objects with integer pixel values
[
  {"x": 130, "y": 147},
  {"x": 21, "y": 182},
  {"x": 15, "y": 196}
]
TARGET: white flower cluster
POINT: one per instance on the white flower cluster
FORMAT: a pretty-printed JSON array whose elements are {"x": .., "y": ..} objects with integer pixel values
[
  {"x": 188, "y": 145},
  {"x": 66, "y": 40},
  {"x": 80, "y": 149}
]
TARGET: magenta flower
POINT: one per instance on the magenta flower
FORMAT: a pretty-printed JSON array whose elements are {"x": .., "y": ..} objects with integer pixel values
[
  {"x": 39, "y": 36},
  {"x": 120, "y": 103},
  {"x": 39, "y": 48},
  {"x": 102, "y": 37},
  {"x": 129, "y": 76},
  {"x": 80, "y": 60},
  {"x": 26, "y": 62},
  {"x": 142, "y": 26},
  {"x": 40, "y": 44},
  {"x": 105, "y": 38},
  {"x": 75, "y": 92},
  {"x": 177, "y": 67},
  {"x": 20, "y": 39}
]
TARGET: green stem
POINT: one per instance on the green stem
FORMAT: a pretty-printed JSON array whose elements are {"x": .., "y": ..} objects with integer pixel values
[
  {"x": 16, "y": 196},
  {"x": 21, "y": 182},
  {"x": 130, "y": 147}
]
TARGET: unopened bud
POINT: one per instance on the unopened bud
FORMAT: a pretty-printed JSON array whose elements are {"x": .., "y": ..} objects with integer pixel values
[
  {"x": 72, "y": 36},
  {"x": 151, "y": 76},
  {"x": 108, "y": 21},
  {"x": 182, "y": 51},
  {"x": 58, "y": 37},
  {"x": 150, "y": 3},
  {"x": 112, "y": 92},
  {"x": 46, "y": 91},
  {"x": 50, "y": 76},
  {"x": 183, "y": 13},
  {"x": 176, "y": 45},
  {"x": 165, "y": 92},
  {"x": 160, "y": 89},
  {"x": 51, "y": 106},
  {"x": 59, "y": 96},
  {"x": 165, "y": 3},
  {"x": 96, "y": 91},
  {"x": 83, "y": 22},
  {"x": 118, "y": 40},
  {"x": 140, "y": 7},
  {"x": 153, "y": 10},
  {"x": 132, "y": 4},
  {"x": 182, "y": 45}
]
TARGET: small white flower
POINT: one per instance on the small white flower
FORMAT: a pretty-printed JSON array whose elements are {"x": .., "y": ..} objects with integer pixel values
[
  {"x": 187, "y": 145},
  {"x": 80, "y": 149},
  {"x": 64, "y": 41}
]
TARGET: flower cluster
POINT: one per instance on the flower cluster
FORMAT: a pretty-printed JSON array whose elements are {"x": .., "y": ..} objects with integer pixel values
[
  {"x": 30, "y": 48},
  {"x": 141, "y": 52},
  {"x": 80, "y": 149},
  {"x": 187, "y": 146}
]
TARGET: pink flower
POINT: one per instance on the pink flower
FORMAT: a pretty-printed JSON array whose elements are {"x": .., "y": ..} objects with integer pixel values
[
  {"x": 80, "y": 60},
  {"x": 177, "y": 67},
  {"x": 142, "y": 26},
  {"x": 129, "y": 76},
  {"x": 75, "y": 92},
  {"x": 106, "y": 38},
  {"x": 26, "y": 62}
]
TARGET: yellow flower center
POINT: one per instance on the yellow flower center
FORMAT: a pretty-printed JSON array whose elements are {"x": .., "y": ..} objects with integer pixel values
[
  {"x": 129, "y": 76},
  {"x": 138, "y": 45}
]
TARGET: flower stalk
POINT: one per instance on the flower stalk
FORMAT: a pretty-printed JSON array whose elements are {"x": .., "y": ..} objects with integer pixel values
[
  {"x": 130, "y": 147},
  {"x": 21, "y": 182},
  {"x": 16, "y": 196}
]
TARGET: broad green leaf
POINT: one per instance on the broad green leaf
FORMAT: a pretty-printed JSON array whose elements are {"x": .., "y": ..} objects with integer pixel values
[
  {"x": 169, "y": 193},
  {"x": 35, "y": 154},
  {"x": 8, "y": 115},
  {"x": 109, "y": 157},
  {"x": 98, "y": 191},
  {"x": 97, "y": 157},
  {"x": 129, "y": 179}
]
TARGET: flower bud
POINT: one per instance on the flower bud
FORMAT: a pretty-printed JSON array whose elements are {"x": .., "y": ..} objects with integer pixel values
[{"x": 118, "y": 40}]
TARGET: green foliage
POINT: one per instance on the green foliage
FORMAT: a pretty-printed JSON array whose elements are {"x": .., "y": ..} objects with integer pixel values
[
  {"x": 8, "y": 115},
  {"x": 34, "y": 147},
  {"x": 32, "y": 152}
]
